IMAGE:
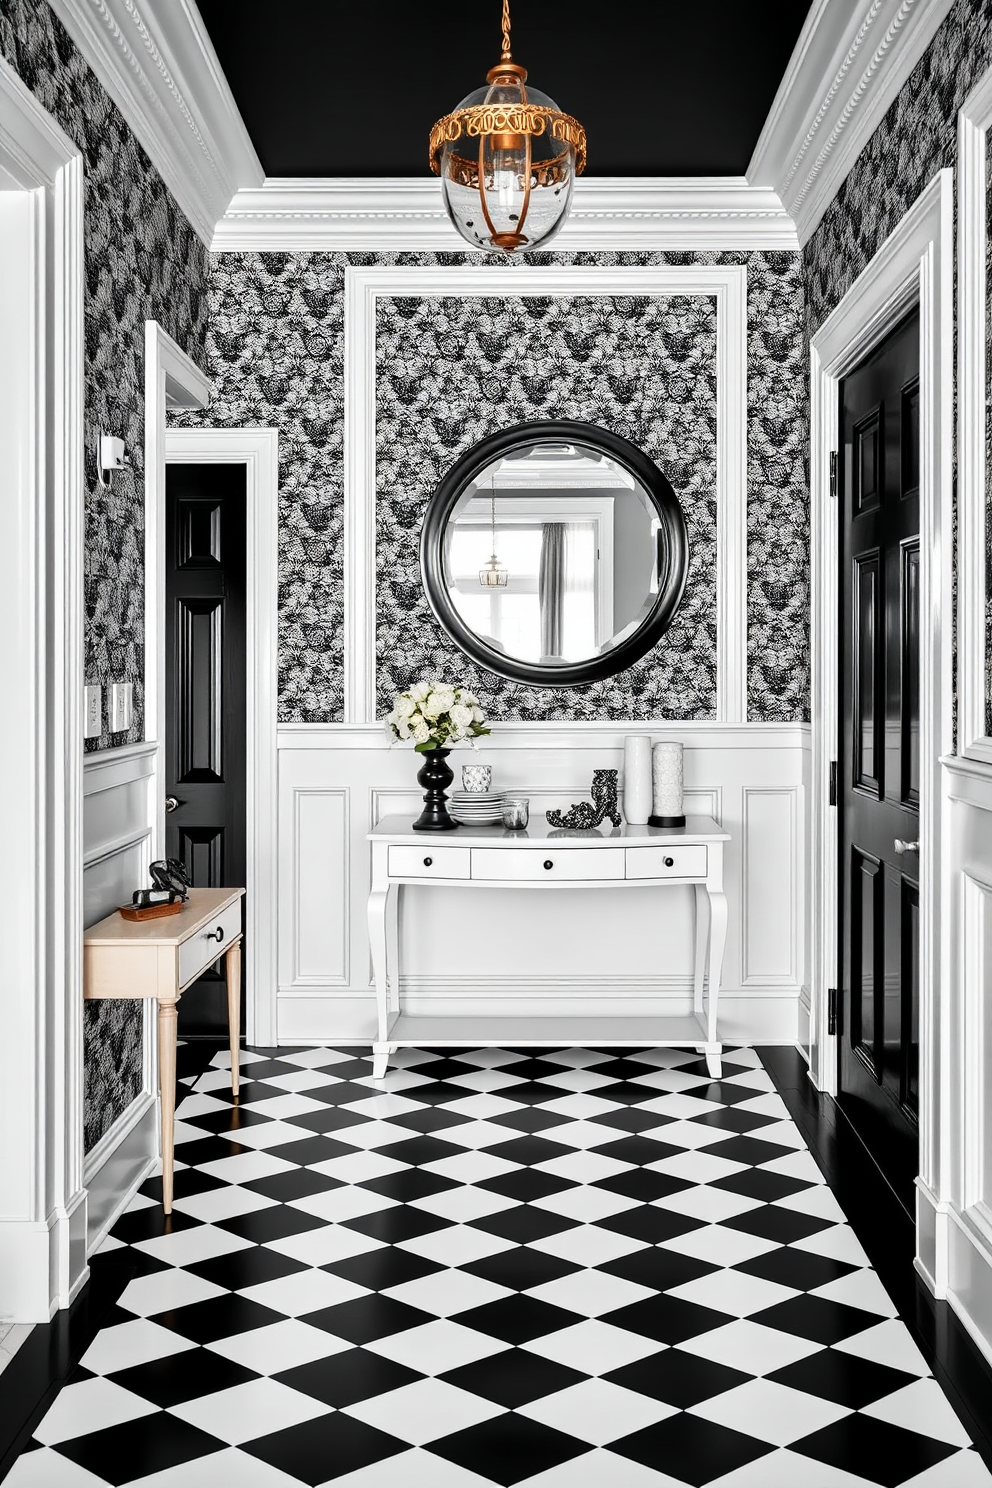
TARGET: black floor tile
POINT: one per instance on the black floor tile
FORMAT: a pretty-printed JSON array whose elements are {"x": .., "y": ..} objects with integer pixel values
[
  {"x": 180, "y": 1377},
  {"x": 513, "y": 1378},
  {"x": 751, "y": 1150},
  {"x": 420, "y": 1150},
  {"x": 666, "y": 1319},
  {"x": 876, "y": 1450},
  {"x": 816, "y": 1318},
  {"x": 518, "y": 1319},
  {"x": 530, "y": 1119},
  {"x": 772, "y": 1222},
  {"x": 844, "y": 1378},
  {"x": 642, "y": 1184},
  {"x": 245, "y": 1268},
  {"x": 381, "y": 1269},
  {"x": 297, "y": 1183},
  {"x": 217, "y": 1317},
  {"x": 276, "y": 1223},
  {"x": 139, "y": 1448},
  {"x": 677, "y": 1378},
  {"x": 406, "y": 1186},
  {"x": 326, "y": 1448},
  {"x": 526, "y": 1185},
  {"x": 530, "y": 1150},
  {"x": 661, "y": 1269},
  {"x": 756, "y": 1183},
  {"x": 632, "y": 1119},
  {"x": 366, "y": 1318},
  {"x": 509, "y": 1448},
  {"x": 520, "y": 1268},
  {"x": 796, "y": 1268},
  {"x": 346, "y": 1378},
  {"x": 330, "y": 1118},
  {"x": 397, "y": 1224},
  {"x": 429, "y": 1119},
  {"x": 524, "y": 1224},
  {"x": 691, "y": 1449},
  {"x": 311, "y": 1150},
  {"x": 650, "y": 1223}
]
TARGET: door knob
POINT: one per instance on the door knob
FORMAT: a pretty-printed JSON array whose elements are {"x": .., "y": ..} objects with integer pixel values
[
  {"x": 905, "y": 847},
  {"x": 171, "y": 803}
]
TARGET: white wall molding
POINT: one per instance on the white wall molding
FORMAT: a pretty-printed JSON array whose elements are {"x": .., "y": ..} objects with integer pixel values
[
  {"x": 913, "y": 266},
  {"x": 405, "y": 214},
  {"x": 850, "y": 62},
  {"x": 258, "y": 451},
  {"x": 363, "y": 288},
  {"x": 974, "y": 119},
  {"x": 42, "y": 1200},
  {"x": 157, "y": 62},
  {"x": 586, "y": 734}
]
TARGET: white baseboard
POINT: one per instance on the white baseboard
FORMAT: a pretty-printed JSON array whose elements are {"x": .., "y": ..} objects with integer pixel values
[
  {"x": 119, "y": 1164},
  {"x": 969, "y": 1277},
  {"x": 42, "y": 1263}
]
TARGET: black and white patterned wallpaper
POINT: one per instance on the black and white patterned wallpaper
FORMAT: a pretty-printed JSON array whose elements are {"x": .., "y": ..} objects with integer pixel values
[
  {"x": 142, "y": 259},
  {"x": 276, "y": 348}
]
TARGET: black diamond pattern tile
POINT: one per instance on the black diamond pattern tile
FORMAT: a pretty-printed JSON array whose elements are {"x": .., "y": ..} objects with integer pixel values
[{"x": 507, "y": 1338}]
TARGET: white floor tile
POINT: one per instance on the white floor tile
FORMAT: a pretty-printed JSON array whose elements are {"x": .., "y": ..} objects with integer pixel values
[
  {"x": 492, "y": 1058},
  {"x": 164, "y": 1290},
  {"x": 465, "y": 1204},
  {"x": 446, "y": 1293},
  {"x": 273, "y": 1134},
  {"x": 279, "y": 1346},
  {"x": 597, "y": 1411},
  {"x": 414, "y": 1469},
  {"x": 89, "y": 1406},
  {"x": 247, "y": 1167},
  {"x": 586, "y": 1204},
  {"x": 584, "y": 1167},
  {"x": 250, "y": 1410},
  {"x": 322, "y": 1058},
  {"x": 590, "y": 1293},
  {"x": 584, "y": 1107},
  {"x": 323, "y": 1247},
  {"x": 798, "y": 1165},
  {"x": 766, "y": 1105},
  {"x": 424, "y": 1411},
  {"x": 770, "y": 1412},
  {"x": 472, "y": 1167},
  {"x": 371, "y": 1134},
  {"x": 186, "y": 1247},
  {"x": 785, "y": 1469},
  {"x": 859, "y": 1289},
  {"x": 303, "y": 1291},
  {"x": 436, "y": 1347},
  {"x": 817, "y": 1201},
  {"x": 923, "y": 1407},
  {"x": 712, "y": 1204},
  {"x": 584, "y": 1133},
  {"x": 887, "y": 1343},
  {"x": 126, "y": 1344},
  {"x": 199, "y": 1104},
  {"x": 698, "y": 1166},
  {"x": 48, "y": 1469},
  {"x": 580, "y": 1081},
  {"x": 963, "y": 1470},
  {"x": 339, "y": 1204},
  {"x": 477, "y": 1134},
  {"x": 481, "y": 1107},
  {"x": 671, "y": 1080},
  {"x": 692, "y": 1134},
  {"x": 223, "y": 1203},
  {"x": 383, "y": 1105},
  {"x": 680, "y": 1106},
  {"x": 839, "y": 1242},
  {"x": 589, "y": 1245},
  {"x": 484, "y": 1080},
  {"x": 733, "y": 1292},
  {"x": 719, "y": 1245},
  {"x": 594, "y": 1347},
  {"x": 229, "y": 1466},
  {"x": 303, "y": 1080},
  {"x": 754, "y": 1079},
  {"x": 359, "y": 1167},
  {"x": 457, "y": 1246},
  {"x": 601, "y": 1468},
  {"x": 664, "y": 1058},
  {"x": 751, "y": 1347},
  {"x": 393, "y": 1082}
]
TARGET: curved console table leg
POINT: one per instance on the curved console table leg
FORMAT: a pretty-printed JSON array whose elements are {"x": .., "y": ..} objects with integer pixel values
[
  {"x": 382, "y": 919},
  {"x": 718, "y": 943}
]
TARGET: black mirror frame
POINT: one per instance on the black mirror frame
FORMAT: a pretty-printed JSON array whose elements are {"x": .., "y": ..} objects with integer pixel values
[{"x": 555, "y": 431}]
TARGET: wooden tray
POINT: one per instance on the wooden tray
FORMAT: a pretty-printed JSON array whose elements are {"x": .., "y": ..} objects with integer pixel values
[{"x": 150, "y": 911}]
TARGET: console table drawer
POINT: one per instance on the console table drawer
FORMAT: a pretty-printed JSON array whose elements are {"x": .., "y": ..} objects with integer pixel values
[
  {"x": 667, "y": 862},
  {"x": 430, "y": 862},
  {"x": 541, "y": 864},
  {"x": 203, "y": 948}
]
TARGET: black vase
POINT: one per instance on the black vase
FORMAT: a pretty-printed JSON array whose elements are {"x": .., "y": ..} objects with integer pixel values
[{"x": 435, "y": 775}]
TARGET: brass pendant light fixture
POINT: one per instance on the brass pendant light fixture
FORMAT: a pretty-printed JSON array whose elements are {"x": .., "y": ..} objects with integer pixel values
[
  {"x": 507, "y": 157},
  {"x": 492, "y": 575}
]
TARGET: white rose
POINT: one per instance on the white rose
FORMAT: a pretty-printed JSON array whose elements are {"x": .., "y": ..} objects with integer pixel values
[
  {"x": 443, "y": 698},
  {"x": 466, "y": 697},
  {"x": 419, "y": 691},
  {"x": 478, "y": 716},
  {"x": 421, "y": 733},
  {"x": 461, "y": 717},
  {"x": 404, "y": 706},
  {"x": 403, "y": 729},
  {"x": 433, "y": 706}
]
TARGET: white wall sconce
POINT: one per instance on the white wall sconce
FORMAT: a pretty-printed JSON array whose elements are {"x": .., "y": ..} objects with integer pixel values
[{"x": 111, "y": 456}]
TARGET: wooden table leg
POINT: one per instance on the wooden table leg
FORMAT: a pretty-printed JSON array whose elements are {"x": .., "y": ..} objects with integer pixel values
[
  {"x": 233, "y": 969},
  {"x": 167, "y": 1021}
]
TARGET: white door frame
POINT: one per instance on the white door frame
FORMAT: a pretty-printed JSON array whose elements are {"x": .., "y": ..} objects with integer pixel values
[
  {"x": 258, "y": 450},
  {"x": 913, "y": 266},
  {"x": 42, "y": 1199}
]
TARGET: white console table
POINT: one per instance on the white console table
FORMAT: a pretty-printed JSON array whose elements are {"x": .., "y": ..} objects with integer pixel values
[{"x": 543, "y": 857}]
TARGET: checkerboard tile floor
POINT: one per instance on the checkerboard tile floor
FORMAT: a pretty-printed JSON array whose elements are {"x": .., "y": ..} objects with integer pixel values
[{"x": 558, "y": 1269}]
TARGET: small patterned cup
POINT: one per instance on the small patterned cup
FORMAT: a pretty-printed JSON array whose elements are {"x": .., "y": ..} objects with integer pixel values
[
  {"x": 477, "y": 777},
  {"x": 516, "y": 812}
]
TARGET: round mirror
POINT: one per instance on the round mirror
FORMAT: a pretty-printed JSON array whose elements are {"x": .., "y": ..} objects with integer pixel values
[{"x": 554, "y": 553}]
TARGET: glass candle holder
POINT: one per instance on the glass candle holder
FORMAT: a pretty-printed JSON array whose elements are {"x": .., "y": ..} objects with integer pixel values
[{"x": 516, "y": 812}]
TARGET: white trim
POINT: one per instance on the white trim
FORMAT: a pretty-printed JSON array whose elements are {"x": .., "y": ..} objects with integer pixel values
[
  {"x": 974, "y": 119},
  {"x": 159, "y": 67},
  {"x": 363, "y": 287},
  {"x": 913, "y": 265},
  {"x": 594, "y": 734},
  {"x": 41, "y": 1194},
  {"x": 106, "y": 769},
  {"x": 851, "y": 60},
  {"x": 258, "y": 450},
  {"x": 406, "y": 214}
]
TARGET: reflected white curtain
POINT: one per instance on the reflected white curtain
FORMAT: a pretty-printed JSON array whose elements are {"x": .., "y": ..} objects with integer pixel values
[{"x": 551, "y": 587}]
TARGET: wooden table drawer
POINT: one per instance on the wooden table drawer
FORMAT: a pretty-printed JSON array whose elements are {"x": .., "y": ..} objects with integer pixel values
[
  {"x": 667, "y": 862},
  {"x": 202, "y": 949},
  {"x": 545, "y": 864},
  {"x": 429, "y": 862}
]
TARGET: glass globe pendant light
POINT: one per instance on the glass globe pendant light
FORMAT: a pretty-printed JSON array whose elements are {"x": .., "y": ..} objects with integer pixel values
[
  {"x": 492, "y": 575},
  {"x": 507, "y": 157}
]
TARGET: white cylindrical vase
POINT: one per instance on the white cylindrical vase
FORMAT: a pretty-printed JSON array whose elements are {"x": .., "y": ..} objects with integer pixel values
[
  {"x": 666, "y": 785},
  {"x": 637, "y": 779}
]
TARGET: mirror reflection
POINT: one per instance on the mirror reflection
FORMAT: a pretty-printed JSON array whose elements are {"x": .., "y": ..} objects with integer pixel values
[{"x": 554, "y": 554}]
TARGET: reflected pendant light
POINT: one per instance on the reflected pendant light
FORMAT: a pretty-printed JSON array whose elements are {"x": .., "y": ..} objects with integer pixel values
[
  {"x": 507, "y": 157},
  {"x": 492, "y": 575}
]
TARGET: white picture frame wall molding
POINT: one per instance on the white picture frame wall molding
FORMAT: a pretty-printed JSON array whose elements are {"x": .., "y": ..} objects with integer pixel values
[
  {"x": 365, "y": 286},
  {"x": 42, "y": 1198},
  {"x": 913, "y": 266}
]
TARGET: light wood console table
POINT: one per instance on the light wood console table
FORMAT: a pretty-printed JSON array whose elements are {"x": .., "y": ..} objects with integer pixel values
[
  {"x": 161, "y": 958},
  {"x": 542, "y": 857}
]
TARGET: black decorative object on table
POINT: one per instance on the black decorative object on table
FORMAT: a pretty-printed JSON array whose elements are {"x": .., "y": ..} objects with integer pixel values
[
  {"x": 584, "y": 814},
  {"x": 435, "y": 775}
]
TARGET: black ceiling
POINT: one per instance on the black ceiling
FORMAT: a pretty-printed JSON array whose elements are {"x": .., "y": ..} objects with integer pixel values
[{"x": 334, "y": 89}]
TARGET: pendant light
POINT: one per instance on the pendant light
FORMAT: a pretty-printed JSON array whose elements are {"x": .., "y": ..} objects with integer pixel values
[
  {"x": 507, "y": 157},
  {"x": 492, "y": 575}
]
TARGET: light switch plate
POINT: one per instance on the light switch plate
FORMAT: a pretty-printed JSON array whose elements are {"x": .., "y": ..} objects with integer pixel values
[
  {"x": 121, "y": 694},
  {"x": 92, "y": 710}
]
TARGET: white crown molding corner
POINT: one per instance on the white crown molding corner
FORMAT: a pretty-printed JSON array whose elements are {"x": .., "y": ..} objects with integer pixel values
[
  {"x": 850, "y": 62},
  {"x": 405, "y": 214},
  {"x": 157, "y": 62}
]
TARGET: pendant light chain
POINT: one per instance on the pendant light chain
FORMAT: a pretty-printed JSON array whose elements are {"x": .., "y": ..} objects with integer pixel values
[{"x": 506, "y": 57}]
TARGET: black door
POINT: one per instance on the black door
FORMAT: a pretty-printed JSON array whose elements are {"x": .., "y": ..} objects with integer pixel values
[
  {"x": 879, "y": 753},
  {"x": 205, "y": 696}
]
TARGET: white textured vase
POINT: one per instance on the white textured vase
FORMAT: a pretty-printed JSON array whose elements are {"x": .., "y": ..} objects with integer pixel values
[
  {"x": 637, "y": 779},
  {"x": 666, "y": 782}
]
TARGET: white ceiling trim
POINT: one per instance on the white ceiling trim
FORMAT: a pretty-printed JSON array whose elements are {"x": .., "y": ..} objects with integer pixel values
[
  {"x": 159, "y": 66},
  {"x": 405, "y": 214},
  {"x": 850, "y": 62}
]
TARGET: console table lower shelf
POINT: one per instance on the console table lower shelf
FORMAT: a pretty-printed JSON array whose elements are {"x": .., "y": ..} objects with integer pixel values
[{"x": 491, "y": 857}]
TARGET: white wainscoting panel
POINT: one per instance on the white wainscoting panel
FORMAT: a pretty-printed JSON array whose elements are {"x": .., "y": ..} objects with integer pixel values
[{"x": 576, "y": 951}]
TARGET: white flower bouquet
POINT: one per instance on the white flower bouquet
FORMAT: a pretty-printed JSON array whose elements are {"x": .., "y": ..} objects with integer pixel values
[{"x": 435, "y": 715}]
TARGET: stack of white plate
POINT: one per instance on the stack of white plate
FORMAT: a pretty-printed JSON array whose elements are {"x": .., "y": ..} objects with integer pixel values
[{"x": 477, "y": 808}]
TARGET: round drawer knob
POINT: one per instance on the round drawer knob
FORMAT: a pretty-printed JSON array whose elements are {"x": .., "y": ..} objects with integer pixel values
[
  {"x": 217, "y": 935},
  {"x": 669, "y": 862},
  {"x": 548, "y": 863},
  {"x": 428, "y": 862}
]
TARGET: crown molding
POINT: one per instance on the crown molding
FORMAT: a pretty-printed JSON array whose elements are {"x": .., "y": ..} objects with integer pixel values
[
  {"x": 405, "y": 214},
  {"x": 157, "y": 62},
  {"x": 851, "y": 60}
]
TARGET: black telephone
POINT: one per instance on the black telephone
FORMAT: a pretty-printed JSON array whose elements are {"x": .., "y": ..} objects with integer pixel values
[{"x": 171, "y": 881}]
